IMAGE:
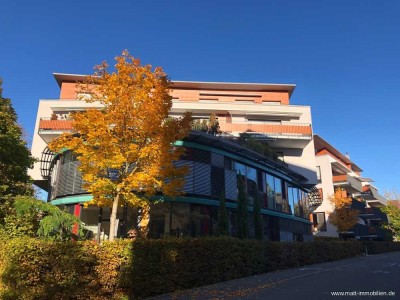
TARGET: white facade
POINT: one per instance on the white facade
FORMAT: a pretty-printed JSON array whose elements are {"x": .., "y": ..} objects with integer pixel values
[{"x": 263, "y": 109}]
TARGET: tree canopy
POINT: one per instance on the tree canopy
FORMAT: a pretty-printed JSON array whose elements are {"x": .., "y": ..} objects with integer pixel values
[
  {"x": 35, "y": 218},
  {"x": 343, "y": 216},
  {"x": 125, "y": 149},
  {"x": 15, "y": 158},
  {"x": 392, "y": 210}
]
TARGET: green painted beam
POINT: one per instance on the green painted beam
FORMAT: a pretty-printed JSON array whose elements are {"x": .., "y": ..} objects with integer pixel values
[{"x": 72, "y": 200}]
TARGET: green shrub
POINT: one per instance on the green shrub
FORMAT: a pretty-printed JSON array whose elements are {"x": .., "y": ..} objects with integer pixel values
[
  {"x": 35, "y": 269},
  {"x": 376, "y": 247},
  {"x": 42, "y": 269}
]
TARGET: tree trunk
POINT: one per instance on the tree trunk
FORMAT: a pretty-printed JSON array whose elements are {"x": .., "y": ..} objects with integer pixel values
[{"x": 113, "y": 217}]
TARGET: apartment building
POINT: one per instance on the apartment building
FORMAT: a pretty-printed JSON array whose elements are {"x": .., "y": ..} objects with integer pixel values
[
  {"x": 338, "y": 176},
  {"x": 262, "y": 111}
]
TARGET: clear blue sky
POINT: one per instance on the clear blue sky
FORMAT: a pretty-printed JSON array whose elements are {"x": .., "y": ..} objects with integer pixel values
[{"x": 342, "y": 55}]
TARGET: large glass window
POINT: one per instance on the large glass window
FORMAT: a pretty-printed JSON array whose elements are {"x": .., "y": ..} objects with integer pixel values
[
  {"x": 290, "y": 199},
  {"x": 304, "y": 205},
  {"x": 240, "y": 168},
  {"x": 217, "y": 181},
  {"x": 285, "y": 199},
  {"x": 278, "y": 194},
  {"x": 270, "y": 191},
  {"x": 296, "y": 204},
  {"x": 251, "y": 185}
]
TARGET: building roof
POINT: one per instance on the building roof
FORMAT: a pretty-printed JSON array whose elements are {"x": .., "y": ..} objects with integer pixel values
[
  {"x": 320, "y": 144},
  {"x": 62, "y": 77}
]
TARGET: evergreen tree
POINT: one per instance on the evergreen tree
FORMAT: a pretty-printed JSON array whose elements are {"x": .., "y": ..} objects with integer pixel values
[
  {"x": 258, "y": 223},
  {"x": 15, "y": 158},
  {"x": 223, "y": 221},
  {"x": 243, "y": 224},
  {"x": 35, "y": 218}
]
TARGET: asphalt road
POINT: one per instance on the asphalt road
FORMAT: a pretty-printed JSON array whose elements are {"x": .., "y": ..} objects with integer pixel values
[{"x": 367, "y": 277}]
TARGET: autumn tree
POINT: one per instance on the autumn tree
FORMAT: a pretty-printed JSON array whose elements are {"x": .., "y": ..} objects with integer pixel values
[
  {"x": 125, "y": 149},
  {"x": 343, "y": 216}
]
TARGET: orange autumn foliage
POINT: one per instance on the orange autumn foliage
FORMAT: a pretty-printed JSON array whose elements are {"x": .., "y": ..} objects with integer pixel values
[
  {"x": 343, "y": 216},
  {"x": 125, "y": 149}
]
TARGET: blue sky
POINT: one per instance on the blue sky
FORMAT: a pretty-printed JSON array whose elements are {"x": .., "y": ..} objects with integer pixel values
[{"x": 342, "y": 55}]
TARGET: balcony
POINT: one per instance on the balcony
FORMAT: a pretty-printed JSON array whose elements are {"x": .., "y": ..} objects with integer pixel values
[
  {"x": 348, "y": 182},
  {"x": 291, "y": 135},
  {"x": 48, "y": 125},
  {"x": 50, "y": 128}
]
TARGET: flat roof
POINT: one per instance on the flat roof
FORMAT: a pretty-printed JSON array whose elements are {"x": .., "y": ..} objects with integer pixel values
[{"x": 240, "y": 86}]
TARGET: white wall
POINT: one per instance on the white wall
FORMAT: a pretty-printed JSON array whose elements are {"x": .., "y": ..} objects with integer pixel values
[{"x": 324, "y": 162}]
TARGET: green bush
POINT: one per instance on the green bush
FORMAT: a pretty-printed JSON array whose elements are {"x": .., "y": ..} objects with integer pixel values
[
  {"x": 375, "y": 247},
  {"x": 44, "y": 269},
  {"x": 35, "y": 269}
]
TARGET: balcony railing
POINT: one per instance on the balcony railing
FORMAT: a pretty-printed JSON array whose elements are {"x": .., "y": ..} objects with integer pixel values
[
  {"x": 339, "y": 178},
  {"x": 348, "y": 181},
  {"x": 48, "y": 125},
  {"x": 276, "y": 130}
]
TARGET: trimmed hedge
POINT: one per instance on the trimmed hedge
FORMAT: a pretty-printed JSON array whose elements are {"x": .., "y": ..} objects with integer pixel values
[
  {"x": 371, "y": 247},
  {"x": 39, "y": 269}
]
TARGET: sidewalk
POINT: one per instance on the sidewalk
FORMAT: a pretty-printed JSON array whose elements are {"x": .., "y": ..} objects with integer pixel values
[{"x": 311, "y": 282}]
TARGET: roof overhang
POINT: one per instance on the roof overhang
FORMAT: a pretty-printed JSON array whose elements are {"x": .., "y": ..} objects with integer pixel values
[
  {"x": 264, "y": 87},
  {"x": 320, "y": 144}
]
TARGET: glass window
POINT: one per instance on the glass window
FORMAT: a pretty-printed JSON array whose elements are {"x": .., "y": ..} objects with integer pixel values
[
  {"x": 251, "y": 185},
  {"x": 239, "y": 168},
  {"x": 319, "y": 174},
  {"x": 296, "y": 204},
  {"x": 304, "y": 201},
  {"x": 217, "y": 181},
  {"x": 319, "y": 222},
  {"x": 260, "y": 181},
  {"x": 241, "y": 172},
  {"x": 285, "y": 199},
  {"x": 227, "y": 163},
  {"x": 291, "y": 199},
  {"x": 270, "y": 191},
  {"x": 278, "y": 194}
]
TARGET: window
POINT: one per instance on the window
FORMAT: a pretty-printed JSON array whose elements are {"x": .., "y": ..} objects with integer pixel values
[
  {"x": 319, "y": 174},
  {"x": 251, "y": 185},
  {"x": 319, "y": 221},
  {"x": 270, "y": 191},
  {"x": 290, "y": 199},
  {"x": 278, "y": 194},
  {"x": 217, "y": 181}
]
